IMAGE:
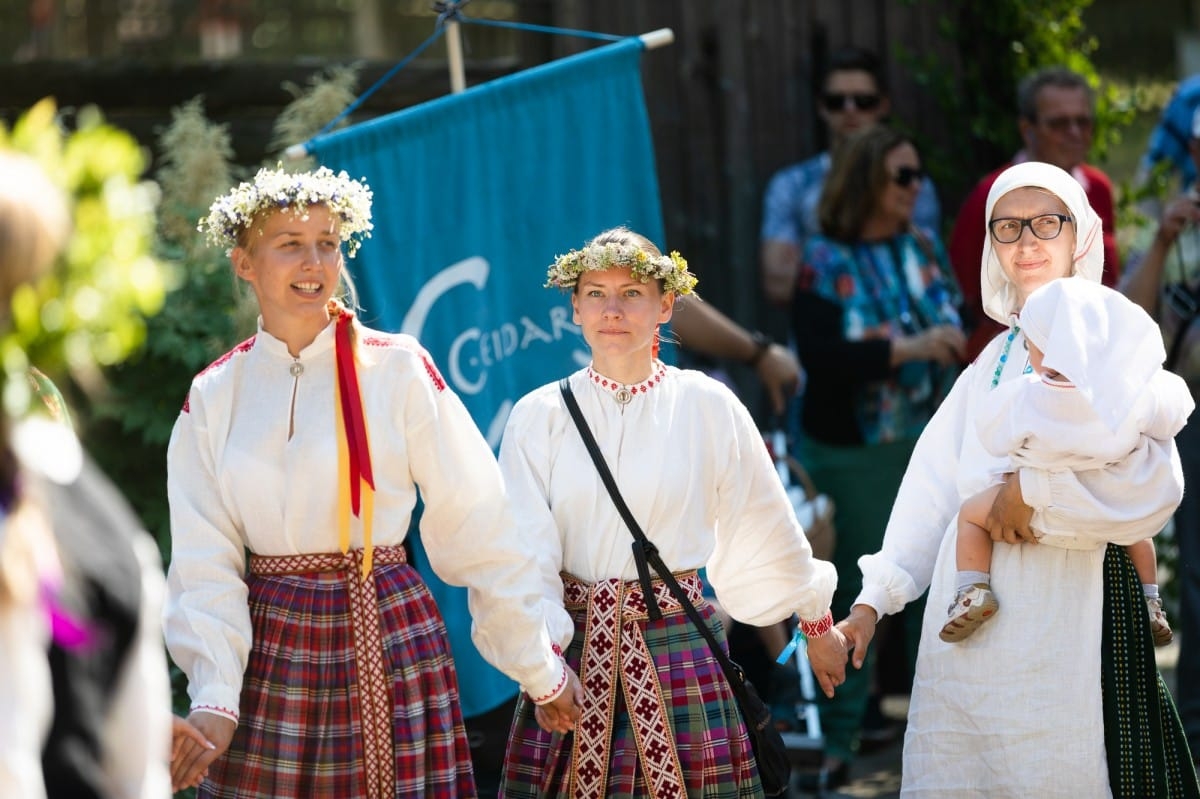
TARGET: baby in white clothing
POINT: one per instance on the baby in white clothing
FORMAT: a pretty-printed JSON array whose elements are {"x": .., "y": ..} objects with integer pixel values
[{"x": 1094, "y": 388}]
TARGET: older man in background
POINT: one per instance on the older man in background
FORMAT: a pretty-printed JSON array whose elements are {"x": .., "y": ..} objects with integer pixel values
[{"x": 1057, "y": 115}]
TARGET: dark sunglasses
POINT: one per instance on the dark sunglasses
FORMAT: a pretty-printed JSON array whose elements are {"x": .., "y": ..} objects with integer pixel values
[
  {"x": 1063, "y": 124},
  {"x": 836, "y": 101},
  {"x": 907, "y": 175}
]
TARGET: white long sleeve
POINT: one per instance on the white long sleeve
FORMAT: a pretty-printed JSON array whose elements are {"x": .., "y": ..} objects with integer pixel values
[
  {"x": 696, "y": 475},
  {"x": 252, "y": 468},
  {"x": 1123, "y": 503}
]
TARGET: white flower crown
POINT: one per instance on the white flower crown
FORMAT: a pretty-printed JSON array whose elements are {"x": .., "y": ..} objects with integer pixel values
[
  {"x": 671, "y": 269},
  {"x": 274, "y": 189}
]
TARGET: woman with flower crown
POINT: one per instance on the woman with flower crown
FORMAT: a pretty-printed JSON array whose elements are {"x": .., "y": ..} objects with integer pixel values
[
  {"x": 316, "y": 660},
  {"x": 658, "y": 718}
]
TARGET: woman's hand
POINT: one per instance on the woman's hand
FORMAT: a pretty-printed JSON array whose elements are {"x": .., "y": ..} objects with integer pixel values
[
  {"x": 827, "y": 656},
  {"x": 780, "y": 374},
  {"x": 195, "y": 743},
  {"x": 859, "y": 629},
  {"x": 1009, "y": 518},
  {"x": 943, "y": 344},
  {"x": 561, "y": 713},
  {"x": 1179, "y": 213}
]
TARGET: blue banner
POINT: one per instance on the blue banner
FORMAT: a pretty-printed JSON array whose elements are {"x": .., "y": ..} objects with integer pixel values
[{"x": 475, "y": 195}]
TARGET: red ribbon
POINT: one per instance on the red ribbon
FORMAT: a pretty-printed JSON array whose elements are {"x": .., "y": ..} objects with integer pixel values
[{"x": 352, "y": 412}]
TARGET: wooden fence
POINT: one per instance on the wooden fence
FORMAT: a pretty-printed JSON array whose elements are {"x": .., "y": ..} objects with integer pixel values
[{"x": 730, "y": 101}]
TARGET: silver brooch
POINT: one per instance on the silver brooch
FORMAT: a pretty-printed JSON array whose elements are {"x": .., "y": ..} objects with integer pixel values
[
  {"x": 623, "y": 395},
  {"x": 296, "y": 368}
]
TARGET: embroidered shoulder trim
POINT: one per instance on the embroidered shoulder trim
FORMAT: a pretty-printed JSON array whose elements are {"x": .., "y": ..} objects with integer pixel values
[{"x": 245, "y": 346}]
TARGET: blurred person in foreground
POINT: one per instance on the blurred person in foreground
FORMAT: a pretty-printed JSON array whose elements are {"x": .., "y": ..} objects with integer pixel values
[{"x": 84, "y": 699}]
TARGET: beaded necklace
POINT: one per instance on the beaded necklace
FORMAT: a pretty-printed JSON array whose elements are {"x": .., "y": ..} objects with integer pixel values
[{"x": 1012, "y": 333}]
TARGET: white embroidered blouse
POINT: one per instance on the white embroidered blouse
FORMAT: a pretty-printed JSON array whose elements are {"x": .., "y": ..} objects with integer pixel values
[
  {"x": 696, "y": 474},
  {"x": 252, "y": 465}
]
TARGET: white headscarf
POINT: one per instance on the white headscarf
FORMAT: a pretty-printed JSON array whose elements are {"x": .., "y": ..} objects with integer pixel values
[
  {"x": 999, "y": 299},
  {"x": 1102, "y": 342}
]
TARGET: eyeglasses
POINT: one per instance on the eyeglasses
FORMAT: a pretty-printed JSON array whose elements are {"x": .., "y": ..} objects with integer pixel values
[
  {"x": 837, "y": 101},
  {"x": 1063, "y": 124},
  {"x": 907, "y": 175},
  {"x": 1007, "y": 229}
]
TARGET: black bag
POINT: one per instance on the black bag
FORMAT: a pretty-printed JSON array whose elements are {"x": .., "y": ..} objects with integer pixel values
[{"x": 774, "y": 767}]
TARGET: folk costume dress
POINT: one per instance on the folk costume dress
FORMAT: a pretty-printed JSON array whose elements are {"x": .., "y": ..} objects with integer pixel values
[
  {"x": 349, "y": 689},
  {"x": 1058, "y": 696},
  {"x": 658, "y": 718}
]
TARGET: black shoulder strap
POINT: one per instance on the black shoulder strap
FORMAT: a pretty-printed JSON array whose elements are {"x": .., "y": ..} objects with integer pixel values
[{"x": 644, "y": 550}]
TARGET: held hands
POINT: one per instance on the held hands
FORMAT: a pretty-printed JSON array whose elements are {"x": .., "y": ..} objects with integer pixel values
[
  {"x": 195, "y": 743},
  {"x": 859, "y": 629},
  {"x": 1009, "y": 518},
  {"x": 561, "y": 713},
  {"x": 827, "y": 656}
]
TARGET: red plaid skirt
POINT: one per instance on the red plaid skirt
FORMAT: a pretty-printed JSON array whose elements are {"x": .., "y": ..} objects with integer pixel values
[
  {"x": 620, "y": 755},
  {"x": 326, "y": 713}
]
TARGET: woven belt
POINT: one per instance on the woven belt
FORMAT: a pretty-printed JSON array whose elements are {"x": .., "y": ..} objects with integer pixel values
[
  {"x": 615, "y": 653},
  {"x": 374, "y": 689}
]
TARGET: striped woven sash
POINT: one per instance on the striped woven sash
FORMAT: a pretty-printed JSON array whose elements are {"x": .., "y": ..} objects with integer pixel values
[
  {"x": 374, "y": 688},
  {"x": 615, "y": 653}
]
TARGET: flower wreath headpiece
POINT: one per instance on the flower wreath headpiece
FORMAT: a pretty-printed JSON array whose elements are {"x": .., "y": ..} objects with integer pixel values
[
  {"x": 274, "y": 189},
  {"x": 671, "y": 269}
]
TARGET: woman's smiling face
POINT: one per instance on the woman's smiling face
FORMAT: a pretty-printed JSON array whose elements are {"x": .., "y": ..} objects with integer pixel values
[
  {"x": 1031, "y": 262},
  {"x": 293, "y": 261}
]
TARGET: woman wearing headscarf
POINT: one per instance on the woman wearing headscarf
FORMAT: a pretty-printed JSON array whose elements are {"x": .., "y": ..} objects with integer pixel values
[{"x": 1059, "y": 696}]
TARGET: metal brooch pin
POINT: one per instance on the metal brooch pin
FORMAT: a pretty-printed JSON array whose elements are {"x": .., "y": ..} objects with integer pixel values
[{"x": 296, "y": 368}]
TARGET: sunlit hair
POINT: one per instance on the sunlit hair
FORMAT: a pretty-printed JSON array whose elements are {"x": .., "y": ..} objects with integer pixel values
[
  {"x": 856, "y": 180},
  {"x": 34, "y": 222},
  {"x": 1059, "y": 77}
]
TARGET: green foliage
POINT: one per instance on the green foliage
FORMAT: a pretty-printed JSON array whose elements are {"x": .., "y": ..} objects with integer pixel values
[
  {"x": 312, "y": 108},
  {"x": 997, "y": 43},
  {"x": 205, "y": 312},
  {"x": 199, "y": 321},
  {"x": 89, "y": 310}
]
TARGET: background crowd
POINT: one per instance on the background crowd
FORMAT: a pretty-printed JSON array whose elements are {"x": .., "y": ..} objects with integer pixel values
[{"x": 883, "y": 318}]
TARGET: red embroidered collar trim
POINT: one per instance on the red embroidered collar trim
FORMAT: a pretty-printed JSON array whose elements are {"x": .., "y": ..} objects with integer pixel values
[{"x": 623, "y": 393}]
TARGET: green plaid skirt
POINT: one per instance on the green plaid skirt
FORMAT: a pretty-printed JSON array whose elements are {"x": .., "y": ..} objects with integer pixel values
[{"x": 1147, "y": 751}]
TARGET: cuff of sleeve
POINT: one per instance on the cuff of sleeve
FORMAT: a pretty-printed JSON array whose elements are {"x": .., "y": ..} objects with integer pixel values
[
  {"x": 559, "y": 684},
  {"x": 217, "y": 698},
  {"x": 875, "y": 597},
  {"x": 815, "y": 629},
  {"x": 1035, "y": 487},
  {"x": 232, "y": 715}
]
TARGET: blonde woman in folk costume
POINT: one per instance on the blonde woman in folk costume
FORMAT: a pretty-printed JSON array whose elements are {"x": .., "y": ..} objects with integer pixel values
[
  {"x": 316, "y": 659},
  {"x": 1058, "y": 696},
  {"x": 658, "y": 718}
]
